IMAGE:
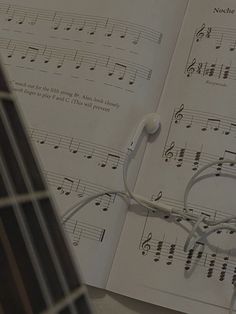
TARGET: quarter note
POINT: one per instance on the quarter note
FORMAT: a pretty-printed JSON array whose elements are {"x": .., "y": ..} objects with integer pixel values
[
  {"x": 133, "y": 78},
  {"x": 219, "y": 41},
  {"x": 93, "y": 29},
  {"x": 232, "y": 45},
  {"x": 56, "y": 22},
  {"x": 232, "y": 127},
  {"x": 110, "y": 32},
  {"x": 81, "y": 27},
  {"x": 123, "y": 34},
  {"x": 136, "y": 40}
]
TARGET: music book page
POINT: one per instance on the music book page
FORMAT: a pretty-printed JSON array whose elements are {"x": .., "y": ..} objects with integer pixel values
[
  {"x": 85, "y": 72},
  {"x": 198, "y": 126}
]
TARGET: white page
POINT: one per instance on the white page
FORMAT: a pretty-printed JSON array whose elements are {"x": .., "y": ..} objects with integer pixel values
[
  {"x": 198, "y": 126},
  {"x": 85, "y": 72}
]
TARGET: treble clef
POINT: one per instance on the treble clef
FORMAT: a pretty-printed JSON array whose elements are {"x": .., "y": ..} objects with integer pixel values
[
  {"x": 146, "y": 244},
  {"x": 200, "y": 33},
  {"x": 191, "y": 68},
  {"x": 169, "y": 152},
  {"x": 178, "y": 114}
]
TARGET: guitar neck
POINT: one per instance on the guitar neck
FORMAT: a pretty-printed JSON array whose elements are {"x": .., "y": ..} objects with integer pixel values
[{"x": 37, "y": 273}]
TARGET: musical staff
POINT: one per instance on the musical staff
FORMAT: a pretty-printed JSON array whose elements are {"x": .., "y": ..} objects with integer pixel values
[
  {"x": 80, "y": 23},
  {"x": 106, "y": 157},
  {"x": 217, "y": 265},
  {"x": 211, "y": 69},
  {"x": 204, "y": 121},
  {"x": 28, "y": 52},
  {"x": 198, "y": 157},
  {"x": 222, "y": 36},
  {"x": 67, "y": 185},
  {"x": 212, "y": 213},
  {"x": 79, "y": 230}
]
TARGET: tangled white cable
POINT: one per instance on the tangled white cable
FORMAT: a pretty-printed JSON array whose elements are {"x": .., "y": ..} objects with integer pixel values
[{"x": 152, "y": 123}]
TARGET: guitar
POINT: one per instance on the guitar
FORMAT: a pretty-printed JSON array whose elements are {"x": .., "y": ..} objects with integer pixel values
[{"x": 37, "y": 273}]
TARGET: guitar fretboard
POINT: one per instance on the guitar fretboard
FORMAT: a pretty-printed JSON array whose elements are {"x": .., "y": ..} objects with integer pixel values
[{"x": 37, "y": 274}]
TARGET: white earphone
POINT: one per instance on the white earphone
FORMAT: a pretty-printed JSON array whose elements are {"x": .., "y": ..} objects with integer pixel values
[{"x": 151, "y": 123}]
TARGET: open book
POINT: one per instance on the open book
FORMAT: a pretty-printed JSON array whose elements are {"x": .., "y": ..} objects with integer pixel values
[{"x": 85, "y": 73}]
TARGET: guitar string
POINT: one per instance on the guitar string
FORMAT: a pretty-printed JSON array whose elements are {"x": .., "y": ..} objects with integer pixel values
[
  {"x": 37, "y": 210},
  {"x": 25, "y": 234}
]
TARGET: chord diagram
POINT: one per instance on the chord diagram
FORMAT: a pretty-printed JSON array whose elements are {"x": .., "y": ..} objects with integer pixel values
[
  {"x": 211, "y": 69},
  {"x": 204, "y": 121},
  {"x": 75, "y": 186},
  {"x": 106, "y": 157},
  {"x": 78, "y": 230},
  {"x": 113, "y": 67},
  {"x": 80, "y": 23}
]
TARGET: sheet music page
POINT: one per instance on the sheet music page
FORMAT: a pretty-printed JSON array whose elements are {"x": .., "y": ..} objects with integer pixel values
[
  {"x": 85, "y": 72},
  {"x": 198, "y": 126}
]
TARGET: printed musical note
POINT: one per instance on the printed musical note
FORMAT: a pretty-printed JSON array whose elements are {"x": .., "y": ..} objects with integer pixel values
[
  {"x": 146, "y": 244},
  {"x": 73, "y": 22},
  {"x": 79, "y": 230},
  {"x": 230, "y": 129}
]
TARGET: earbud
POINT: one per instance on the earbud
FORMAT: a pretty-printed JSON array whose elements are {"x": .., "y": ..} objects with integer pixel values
[{"x": 151, "y": 123}]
